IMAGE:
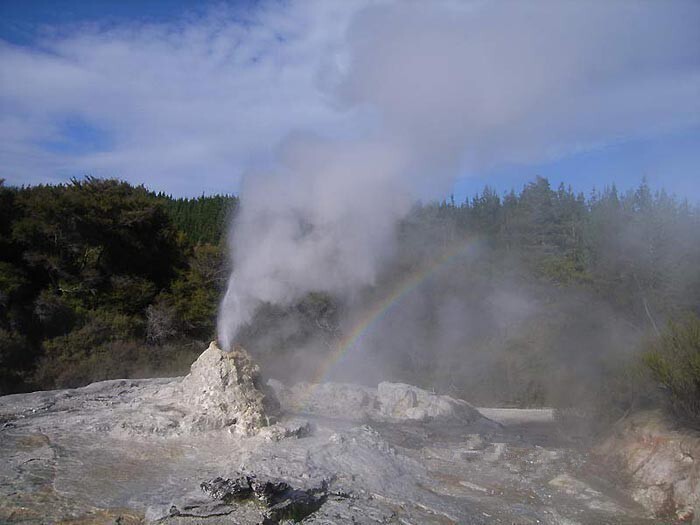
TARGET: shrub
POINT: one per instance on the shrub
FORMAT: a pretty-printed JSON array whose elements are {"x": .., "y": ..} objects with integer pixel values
[
  {"x": 55, "y": 315},
  {"x": 13, "y": 354},
  {"x": 161, "y": 322},
  {"x": 119, "y": 359},
  {"x": 130, "y": 294},
  {"x": 625, "y": 385},
  {"x": 674, "y": 361},
  {"x": 60, "y": 367},
  {"x": 194, "y": 295}
]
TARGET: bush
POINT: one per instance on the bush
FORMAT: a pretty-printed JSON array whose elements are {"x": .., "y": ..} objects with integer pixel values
[
  {"x": 625, "y": 386},
  {"x": 13, "y": 354},
  {"x": 194, "y": 295},
  {"x": 161, "y": 322},
  {"x": 64, "y": 356},
  {"x": 674, "y": 361},
  {"x": 121, "y": 359},
  {"x": 55, "y": 315},
  {"x": 130, "y": 294}
]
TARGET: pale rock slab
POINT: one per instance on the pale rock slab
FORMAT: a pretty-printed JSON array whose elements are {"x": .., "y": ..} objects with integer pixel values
[
  {"x": 224, "y": 390},
  {"x": 389, "y": 402}
]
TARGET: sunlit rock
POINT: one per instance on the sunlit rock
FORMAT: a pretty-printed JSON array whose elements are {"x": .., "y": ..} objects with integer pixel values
[
  {"x": 224, "y": 390},
  {"x": 401, "y": 401},
  {"x": 191, "y": 450},
  {"x": 389, "y": 402}
]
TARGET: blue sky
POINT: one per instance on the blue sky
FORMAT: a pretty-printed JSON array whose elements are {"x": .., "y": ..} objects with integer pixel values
[
  {"x": 22, "y": 21},
  {"x": 670, "y": 161},
  {"x": 189, "y": 97}
]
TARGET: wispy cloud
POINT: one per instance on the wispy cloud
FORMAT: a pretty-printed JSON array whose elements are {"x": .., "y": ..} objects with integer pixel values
[
  {"x": 184, "y": 106},
  {"x": 443, "y": 87},
  {"x": 189, "y": 105}
]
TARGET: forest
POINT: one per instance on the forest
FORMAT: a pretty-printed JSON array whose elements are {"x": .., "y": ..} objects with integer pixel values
[{"x": 563, "y": 299}]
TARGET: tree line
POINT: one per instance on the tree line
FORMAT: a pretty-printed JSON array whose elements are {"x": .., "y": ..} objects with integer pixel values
[
  {"x": 102, "y": 279},
  {"x": 99, "y": 278},
  {"x": 615, "y": 277},
  {"x": 639, "y": 250}
]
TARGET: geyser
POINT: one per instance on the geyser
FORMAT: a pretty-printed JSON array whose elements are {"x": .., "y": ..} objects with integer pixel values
[
  {"x": 486, "y": 83},
  {"x": 225, "y": 390}
]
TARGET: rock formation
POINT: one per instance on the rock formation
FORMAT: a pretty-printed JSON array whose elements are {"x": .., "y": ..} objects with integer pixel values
[
  {"x": 401, "y": 401},
  {"x": 191, "y": 451},
  {"x": 386, "y": 403},
  {"x": 224, "y": 390},
  {"x": 661, "y": 462},
  {"x": 279, "y": 501}
]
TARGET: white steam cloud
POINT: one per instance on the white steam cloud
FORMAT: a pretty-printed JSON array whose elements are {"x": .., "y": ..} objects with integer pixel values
[{"x": 431, "y": 89}]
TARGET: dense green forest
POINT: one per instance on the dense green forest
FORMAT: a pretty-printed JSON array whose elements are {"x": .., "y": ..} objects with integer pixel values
[
  {"x": 100, "y": 279},
  {"x": 202, "y": 219}
]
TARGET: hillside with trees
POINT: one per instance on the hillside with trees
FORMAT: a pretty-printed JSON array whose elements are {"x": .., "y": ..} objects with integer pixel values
[
  {"x": 100, "y": 279},
  {"x": 97, "y": 278}
]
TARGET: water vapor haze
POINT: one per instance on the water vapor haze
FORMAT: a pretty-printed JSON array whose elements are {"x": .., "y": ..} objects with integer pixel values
[{"x": 430, "y": 90}]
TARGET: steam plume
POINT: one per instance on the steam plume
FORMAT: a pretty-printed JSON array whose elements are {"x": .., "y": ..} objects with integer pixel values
[{"x": 431, "y": 90}]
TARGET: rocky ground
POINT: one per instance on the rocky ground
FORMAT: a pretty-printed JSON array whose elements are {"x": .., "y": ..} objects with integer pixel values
[
  {"x": 661, "y": 460},
  {"x": 192, "y": 450}
]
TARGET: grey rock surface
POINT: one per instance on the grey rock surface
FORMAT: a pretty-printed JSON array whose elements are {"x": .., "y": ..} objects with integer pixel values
[
  {"x": 224, "y": 390},
  {"x": 130, "y": 452},
  {"x": 662, "y": 462},
  {"x": 389, "y": 402}
]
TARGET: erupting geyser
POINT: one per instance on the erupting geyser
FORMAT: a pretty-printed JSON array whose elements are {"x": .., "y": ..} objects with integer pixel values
[
  {"x": 486, "y": 85},
  {"x": 225, "y": 390}
]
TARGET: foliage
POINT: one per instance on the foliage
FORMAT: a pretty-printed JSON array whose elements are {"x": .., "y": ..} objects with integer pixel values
[
  {"x": 674, "y": 361},
  {"x": 202, "y": 219},
  {"x": 100, "y": 279},
  {"x": 63, "y": 362},
  {"x": 13, "y": 360},
  {"x": 80, "y": 265},
  {"x": 195, "y": 294}
]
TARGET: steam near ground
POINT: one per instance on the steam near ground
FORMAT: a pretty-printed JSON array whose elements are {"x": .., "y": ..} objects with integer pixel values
[{"x": 428, "y": 91}]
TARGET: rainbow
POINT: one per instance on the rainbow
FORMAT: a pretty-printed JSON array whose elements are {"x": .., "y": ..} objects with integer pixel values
[{"x": 372, "y": 316}]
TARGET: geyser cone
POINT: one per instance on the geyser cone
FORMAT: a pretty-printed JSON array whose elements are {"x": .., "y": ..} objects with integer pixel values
[{"x": 225, "y": 390}]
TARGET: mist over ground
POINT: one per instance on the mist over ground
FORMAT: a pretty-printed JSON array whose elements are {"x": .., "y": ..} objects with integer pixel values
[
  {"x": 432, "y": 90},
  {"x": 549, "y": 299}
]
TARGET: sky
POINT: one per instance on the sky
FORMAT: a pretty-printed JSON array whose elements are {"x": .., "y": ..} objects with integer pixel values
[{"x": 191, "y": 98}]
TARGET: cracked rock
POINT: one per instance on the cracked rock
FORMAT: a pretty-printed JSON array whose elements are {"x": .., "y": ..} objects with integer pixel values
[{"x": 282, "y": 501}]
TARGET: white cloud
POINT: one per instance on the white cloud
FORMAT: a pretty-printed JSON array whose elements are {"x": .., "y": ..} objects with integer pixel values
[
  {"x": 184, "y": 106},
  {"x": 190, "y": 105},
  {"x": 493, "y": 82}
]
